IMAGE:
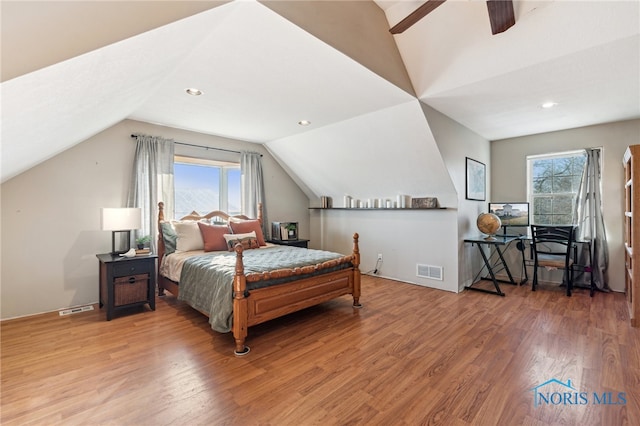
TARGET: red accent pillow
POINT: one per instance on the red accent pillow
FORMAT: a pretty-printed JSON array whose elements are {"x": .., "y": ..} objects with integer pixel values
[
  {"x": 246, "y": 226},
  {"x": 213, "y": 236}
]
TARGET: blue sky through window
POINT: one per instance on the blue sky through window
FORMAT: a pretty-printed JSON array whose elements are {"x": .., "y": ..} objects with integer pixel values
[
  {"x": 194, "y": 176},
  {"x": 234, "y": 178},
  {"x": 198, "y": 187}
]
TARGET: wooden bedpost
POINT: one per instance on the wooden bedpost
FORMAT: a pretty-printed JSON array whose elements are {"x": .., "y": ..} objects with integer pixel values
[
  {"x": 260, "y": 214},
  {"x": 356, "y": 272},
  {"x": 160, "y": 248},
  {"x": 240, "y": 305},
  {"x": 160, "y": 211}
]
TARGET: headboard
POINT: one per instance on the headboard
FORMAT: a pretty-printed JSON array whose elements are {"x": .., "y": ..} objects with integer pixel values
[{"x": 195, "y": 216}]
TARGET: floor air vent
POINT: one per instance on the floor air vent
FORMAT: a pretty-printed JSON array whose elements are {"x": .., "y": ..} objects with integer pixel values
[
  {"x": 75, "y": 310},
  {"x": 429, "y": 271}
]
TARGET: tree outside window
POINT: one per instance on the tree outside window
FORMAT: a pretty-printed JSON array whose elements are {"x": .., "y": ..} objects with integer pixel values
[{"x": 554, "y": 181}]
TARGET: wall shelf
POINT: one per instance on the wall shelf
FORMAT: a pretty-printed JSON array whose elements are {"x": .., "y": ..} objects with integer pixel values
[{"x": 378, "y": 208}]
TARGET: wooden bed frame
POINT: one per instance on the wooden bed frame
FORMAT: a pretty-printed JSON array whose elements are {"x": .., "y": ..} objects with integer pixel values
[{"x": 264, "y": 304}]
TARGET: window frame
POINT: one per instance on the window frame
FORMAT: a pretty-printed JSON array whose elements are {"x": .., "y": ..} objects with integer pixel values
[
  {"x": 223, "y": 189},
  {"x": 530, "y": 159}
]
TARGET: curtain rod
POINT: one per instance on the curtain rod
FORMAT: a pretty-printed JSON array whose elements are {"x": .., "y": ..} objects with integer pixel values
[{"x": 202, "y": 146}]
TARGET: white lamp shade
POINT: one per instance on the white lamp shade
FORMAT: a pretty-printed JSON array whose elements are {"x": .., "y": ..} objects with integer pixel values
[{"x": 121, "y": 219}]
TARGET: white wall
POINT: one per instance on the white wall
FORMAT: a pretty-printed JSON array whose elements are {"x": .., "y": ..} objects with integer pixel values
[
  {"x": 51, "y": 215},
  {"x": 379, "y": 155},
  {"x": 404, "y": 238},
  {"x": 376, "y": 155},
  {"x": 455, "y": 143},
  {"x": 509, "y": 181}
]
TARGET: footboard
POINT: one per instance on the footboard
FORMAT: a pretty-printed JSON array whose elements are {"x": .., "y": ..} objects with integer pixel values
[
  {"x": 258, "y": 306},
  {"x": 272, "y": 302}
]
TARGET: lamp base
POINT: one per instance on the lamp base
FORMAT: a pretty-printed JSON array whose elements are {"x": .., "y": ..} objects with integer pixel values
[{"x": 124, "y": 242}]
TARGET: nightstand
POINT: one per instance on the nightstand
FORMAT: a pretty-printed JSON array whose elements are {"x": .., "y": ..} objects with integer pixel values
[
  {"x": 294, "y": 243},
  {"x": 127, "y": 281}
]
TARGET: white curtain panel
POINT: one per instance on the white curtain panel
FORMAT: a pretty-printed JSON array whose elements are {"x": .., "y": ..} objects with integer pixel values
[
  {"x": 253, "y": 187},
  {"x": 152, "y": 182},
  {"x": 590, "y": 219}
]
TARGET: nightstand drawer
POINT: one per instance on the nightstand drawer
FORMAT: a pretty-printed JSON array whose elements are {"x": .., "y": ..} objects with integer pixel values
[
  {"x": 126, "y": 282},
  {"x": 131, "y": 289},
  {"x": 131, "y": 267}
]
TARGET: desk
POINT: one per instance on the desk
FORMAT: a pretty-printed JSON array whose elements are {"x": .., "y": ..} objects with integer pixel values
[{"x": 492, "y": 264}]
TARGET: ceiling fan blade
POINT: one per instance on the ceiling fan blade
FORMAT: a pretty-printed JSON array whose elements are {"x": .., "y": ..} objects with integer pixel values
[
  {"x": 415, "y": 16},
  {"x": 501, "y": 15}
]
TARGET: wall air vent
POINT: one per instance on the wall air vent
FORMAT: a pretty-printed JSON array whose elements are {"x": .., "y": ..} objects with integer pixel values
[
  {"x": 75, "y": 310},
  {"x": 429, "y": 271}
]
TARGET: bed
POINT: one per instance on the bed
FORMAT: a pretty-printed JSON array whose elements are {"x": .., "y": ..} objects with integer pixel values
[{"x": 248, "y": 281}]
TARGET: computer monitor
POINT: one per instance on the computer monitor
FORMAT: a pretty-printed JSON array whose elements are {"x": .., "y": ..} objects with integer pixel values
[{"x": 511, "y": 213}]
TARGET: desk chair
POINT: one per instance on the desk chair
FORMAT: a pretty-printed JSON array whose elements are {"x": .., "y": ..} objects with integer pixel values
[
  {"x": 587, "y": 268},
  {"x": 553, "y": 247}
]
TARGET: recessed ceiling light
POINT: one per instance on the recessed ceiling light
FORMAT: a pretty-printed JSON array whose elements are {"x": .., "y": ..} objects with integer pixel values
[
  {"x": 193, "y": 92},
  {"x": 304, "y": 122},
  {"x": 549, "y": 104}
]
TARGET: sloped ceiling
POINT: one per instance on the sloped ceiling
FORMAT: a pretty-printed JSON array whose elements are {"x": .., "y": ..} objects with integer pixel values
[
  {"x": 582, "y": 55},
  {"x": 377, "y": 155},
  {"x": 261, "y": 74},
  {"x": 36, "y": 34}
]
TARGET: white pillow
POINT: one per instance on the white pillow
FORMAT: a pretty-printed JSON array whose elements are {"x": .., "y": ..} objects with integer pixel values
[{"x": 189, "y": 236}]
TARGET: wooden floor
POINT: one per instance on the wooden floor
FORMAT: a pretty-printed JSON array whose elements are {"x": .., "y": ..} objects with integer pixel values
[{"x": 411, "y": 356}]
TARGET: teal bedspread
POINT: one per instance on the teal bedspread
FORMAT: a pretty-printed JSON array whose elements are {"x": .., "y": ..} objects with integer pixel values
[{"x": 206, "y": 281}]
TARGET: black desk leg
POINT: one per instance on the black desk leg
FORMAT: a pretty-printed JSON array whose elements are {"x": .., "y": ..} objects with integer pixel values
[
  {"x": 524, "y": 264},
  {"x": 493, "y": 277},
  {"x": 506, "y": 267}
]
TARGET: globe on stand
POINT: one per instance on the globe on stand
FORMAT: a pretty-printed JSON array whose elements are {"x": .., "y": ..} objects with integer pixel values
[{"x": 489, "y": 223}]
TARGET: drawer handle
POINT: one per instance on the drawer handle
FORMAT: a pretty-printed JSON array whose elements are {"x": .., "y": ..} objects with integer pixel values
[{"x": 132, "y": 280}]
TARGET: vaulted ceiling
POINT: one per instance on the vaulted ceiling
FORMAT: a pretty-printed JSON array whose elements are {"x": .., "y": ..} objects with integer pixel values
[
  {"x": 582, "y": 55},
  {"x": 73, "y": 69}
]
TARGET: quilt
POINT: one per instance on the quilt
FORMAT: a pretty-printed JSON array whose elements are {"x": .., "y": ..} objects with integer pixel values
[{"x": 206, "y": 281}]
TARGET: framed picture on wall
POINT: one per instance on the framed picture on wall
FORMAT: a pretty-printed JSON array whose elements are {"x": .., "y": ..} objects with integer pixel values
[{"x": 476, "y": 180}]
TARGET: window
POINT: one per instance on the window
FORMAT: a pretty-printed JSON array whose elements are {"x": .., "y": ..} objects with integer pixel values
[
  {"x": 206, "y": 185},
  {"x": 553, "y": 184}
]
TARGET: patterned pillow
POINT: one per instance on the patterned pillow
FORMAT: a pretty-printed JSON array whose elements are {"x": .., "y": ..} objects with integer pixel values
[
  {"x": 169, "y": 237},
  {"x": 213, "y": 236},
  {"x": 248, "y": 240},
  {"x": 244, "y": 226}
]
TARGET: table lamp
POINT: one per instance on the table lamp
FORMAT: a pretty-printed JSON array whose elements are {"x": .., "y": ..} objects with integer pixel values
[{"x": 121, "y": 221}]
